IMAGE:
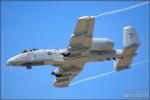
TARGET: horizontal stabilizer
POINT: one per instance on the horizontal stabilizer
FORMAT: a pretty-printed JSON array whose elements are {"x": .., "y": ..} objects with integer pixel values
[{"x": 121, "y": 64}]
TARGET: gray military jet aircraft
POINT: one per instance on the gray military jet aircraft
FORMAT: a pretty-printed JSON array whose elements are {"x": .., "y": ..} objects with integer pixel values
[{"x": 82, "y": 48}]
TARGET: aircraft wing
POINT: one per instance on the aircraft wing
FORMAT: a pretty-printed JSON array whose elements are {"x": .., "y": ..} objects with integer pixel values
[
  {"x": 68, "y": 72},
  {"x": 81, "y": 39}
]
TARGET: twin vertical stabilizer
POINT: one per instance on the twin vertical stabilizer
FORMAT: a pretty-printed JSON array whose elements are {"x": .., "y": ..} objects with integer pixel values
[
  {"x": 130, "y": 45},
  {"x": 130, "y": 37}
]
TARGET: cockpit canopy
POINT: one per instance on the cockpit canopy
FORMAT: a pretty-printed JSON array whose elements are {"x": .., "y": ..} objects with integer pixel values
[{"x": 25, "y": 50}]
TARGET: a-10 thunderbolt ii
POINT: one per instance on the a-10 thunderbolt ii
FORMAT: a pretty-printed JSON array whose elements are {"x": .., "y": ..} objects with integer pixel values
[{"x": 82, "y": 48}]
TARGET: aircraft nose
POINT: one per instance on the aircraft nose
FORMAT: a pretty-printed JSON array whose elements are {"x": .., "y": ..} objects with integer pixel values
[{"x": 10, "y": 61}]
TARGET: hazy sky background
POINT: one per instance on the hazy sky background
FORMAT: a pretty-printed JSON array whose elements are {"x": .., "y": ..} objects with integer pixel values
[{"x": 45, "y": 25}]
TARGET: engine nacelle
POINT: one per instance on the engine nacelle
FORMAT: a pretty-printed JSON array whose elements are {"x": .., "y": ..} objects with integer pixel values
[{"x": 102, "y": 44}]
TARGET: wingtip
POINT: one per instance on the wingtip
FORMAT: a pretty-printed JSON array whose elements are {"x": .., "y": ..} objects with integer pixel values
[
  {"x": 59, "y": 85},
  {"x": 86, "y": 17},
  {"x": 128, "y": 27}
]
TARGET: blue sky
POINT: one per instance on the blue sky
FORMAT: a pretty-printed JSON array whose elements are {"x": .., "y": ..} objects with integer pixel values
[{"x": 45, "y": 25}]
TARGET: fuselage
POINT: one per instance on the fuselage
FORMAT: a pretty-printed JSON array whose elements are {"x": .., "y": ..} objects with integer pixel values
[{"x": 101, "y": 50}]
